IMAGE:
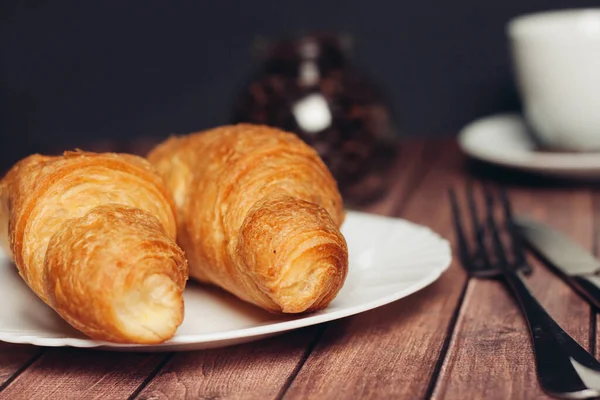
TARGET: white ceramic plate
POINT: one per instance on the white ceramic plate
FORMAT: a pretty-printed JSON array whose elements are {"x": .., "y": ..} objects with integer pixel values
[
  {"x": 389, "y": 259},
  {"x": 502, "y": 139}
]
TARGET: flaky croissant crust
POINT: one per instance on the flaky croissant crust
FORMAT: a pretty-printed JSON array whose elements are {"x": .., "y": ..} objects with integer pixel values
[
  {"x": 93, "y": 236},
  {"x": 259, "y": 215}
]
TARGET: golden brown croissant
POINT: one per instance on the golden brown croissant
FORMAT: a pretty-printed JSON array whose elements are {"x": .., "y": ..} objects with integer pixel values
[
  {"x": 93, "y": 236},
  {"x": 259, "y": 215}
]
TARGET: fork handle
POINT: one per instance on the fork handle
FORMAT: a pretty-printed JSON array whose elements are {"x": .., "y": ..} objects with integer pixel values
[{"x": 553, "y": 348}]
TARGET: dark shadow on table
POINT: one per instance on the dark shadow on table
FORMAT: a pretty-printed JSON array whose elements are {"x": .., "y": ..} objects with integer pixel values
[{"x": 513, "y": 177}]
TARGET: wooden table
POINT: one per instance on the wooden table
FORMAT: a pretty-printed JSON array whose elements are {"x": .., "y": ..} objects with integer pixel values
[{"x": 456, "y": 339}]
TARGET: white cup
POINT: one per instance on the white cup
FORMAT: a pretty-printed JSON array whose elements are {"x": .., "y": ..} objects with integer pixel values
[{"x": 556, "y": 58}]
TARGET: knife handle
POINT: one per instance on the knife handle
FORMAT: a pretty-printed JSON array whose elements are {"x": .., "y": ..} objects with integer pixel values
[
  {"x": 558, "y": 357},
  {"x": 588, "y": 287}
]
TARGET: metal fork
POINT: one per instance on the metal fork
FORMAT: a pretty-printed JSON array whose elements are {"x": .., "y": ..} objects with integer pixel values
[{"x": 564, "y": 368}]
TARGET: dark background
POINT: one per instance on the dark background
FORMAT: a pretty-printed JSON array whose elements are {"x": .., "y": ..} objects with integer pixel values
[{"x": 75, "y": 71}]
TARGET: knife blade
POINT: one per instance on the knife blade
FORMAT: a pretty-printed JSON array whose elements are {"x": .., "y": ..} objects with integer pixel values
[{"x": 573, "y": 263}]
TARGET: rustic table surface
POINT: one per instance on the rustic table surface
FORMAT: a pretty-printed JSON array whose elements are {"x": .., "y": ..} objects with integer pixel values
[{"x": 459, "y": 338}]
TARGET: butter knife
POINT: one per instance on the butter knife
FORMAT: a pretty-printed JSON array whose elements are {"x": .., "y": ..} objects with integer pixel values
[{"x": 570, "y": 260}]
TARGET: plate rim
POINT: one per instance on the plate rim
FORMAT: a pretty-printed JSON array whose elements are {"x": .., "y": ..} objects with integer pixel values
[
  {"x": 556, "y": 163},
  {"x": 260, "y": 330}
]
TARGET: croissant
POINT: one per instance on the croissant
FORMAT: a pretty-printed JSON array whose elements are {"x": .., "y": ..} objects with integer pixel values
[
  {"x": 259, "y": 215},
  {"x": 93, "y": 235}
]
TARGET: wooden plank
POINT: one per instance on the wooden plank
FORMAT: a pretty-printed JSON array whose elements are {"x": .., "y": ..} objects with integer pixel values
[
  {"x": 13, "y": 358},
  {"x": 392, "y": 352},
  {"x": 490, "y": 355},
  {"x": 404, "y": 176},
  {"x": 253, "y": 370},
  {"x": 263, "y": 369},
  {"x": 82, "y": 374}
]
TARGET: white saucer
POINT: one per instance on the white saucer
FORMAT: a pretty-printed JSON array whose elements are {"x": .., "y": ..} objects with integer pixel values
[
  {"x": 390, "y": 258},
  {"x": 503, "y": 140}
]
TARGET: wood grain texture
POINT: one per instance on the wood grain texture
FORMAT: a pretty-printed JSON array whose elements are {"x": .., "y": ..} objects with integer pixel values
[
  {"x": 14, "y": 357},
  {"x": 263, "y": 369},
  {"x": 254, "y": 370},
  {"x": 490, "y": 355},
  {"x": 404, "y": 176},
  {"x": 82, "y": 374},
  {"x": 392, "y": 352}
]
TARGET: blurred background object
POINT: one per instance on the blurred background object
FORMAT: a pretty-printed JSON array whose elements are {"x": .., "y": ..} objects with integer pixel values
[
  {"x": 72, "y": 72},
  {"x": 308, "y": 85}
]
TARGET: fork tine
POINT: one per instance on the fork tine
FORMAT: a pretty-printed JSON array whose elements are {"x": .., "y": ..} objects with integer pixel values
[
  {"x": 516, "y": 244},
  {"x": 478, "y": 228},
  {"x": 493, "y": 226},
  {"x": 463, "y": 247}
]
